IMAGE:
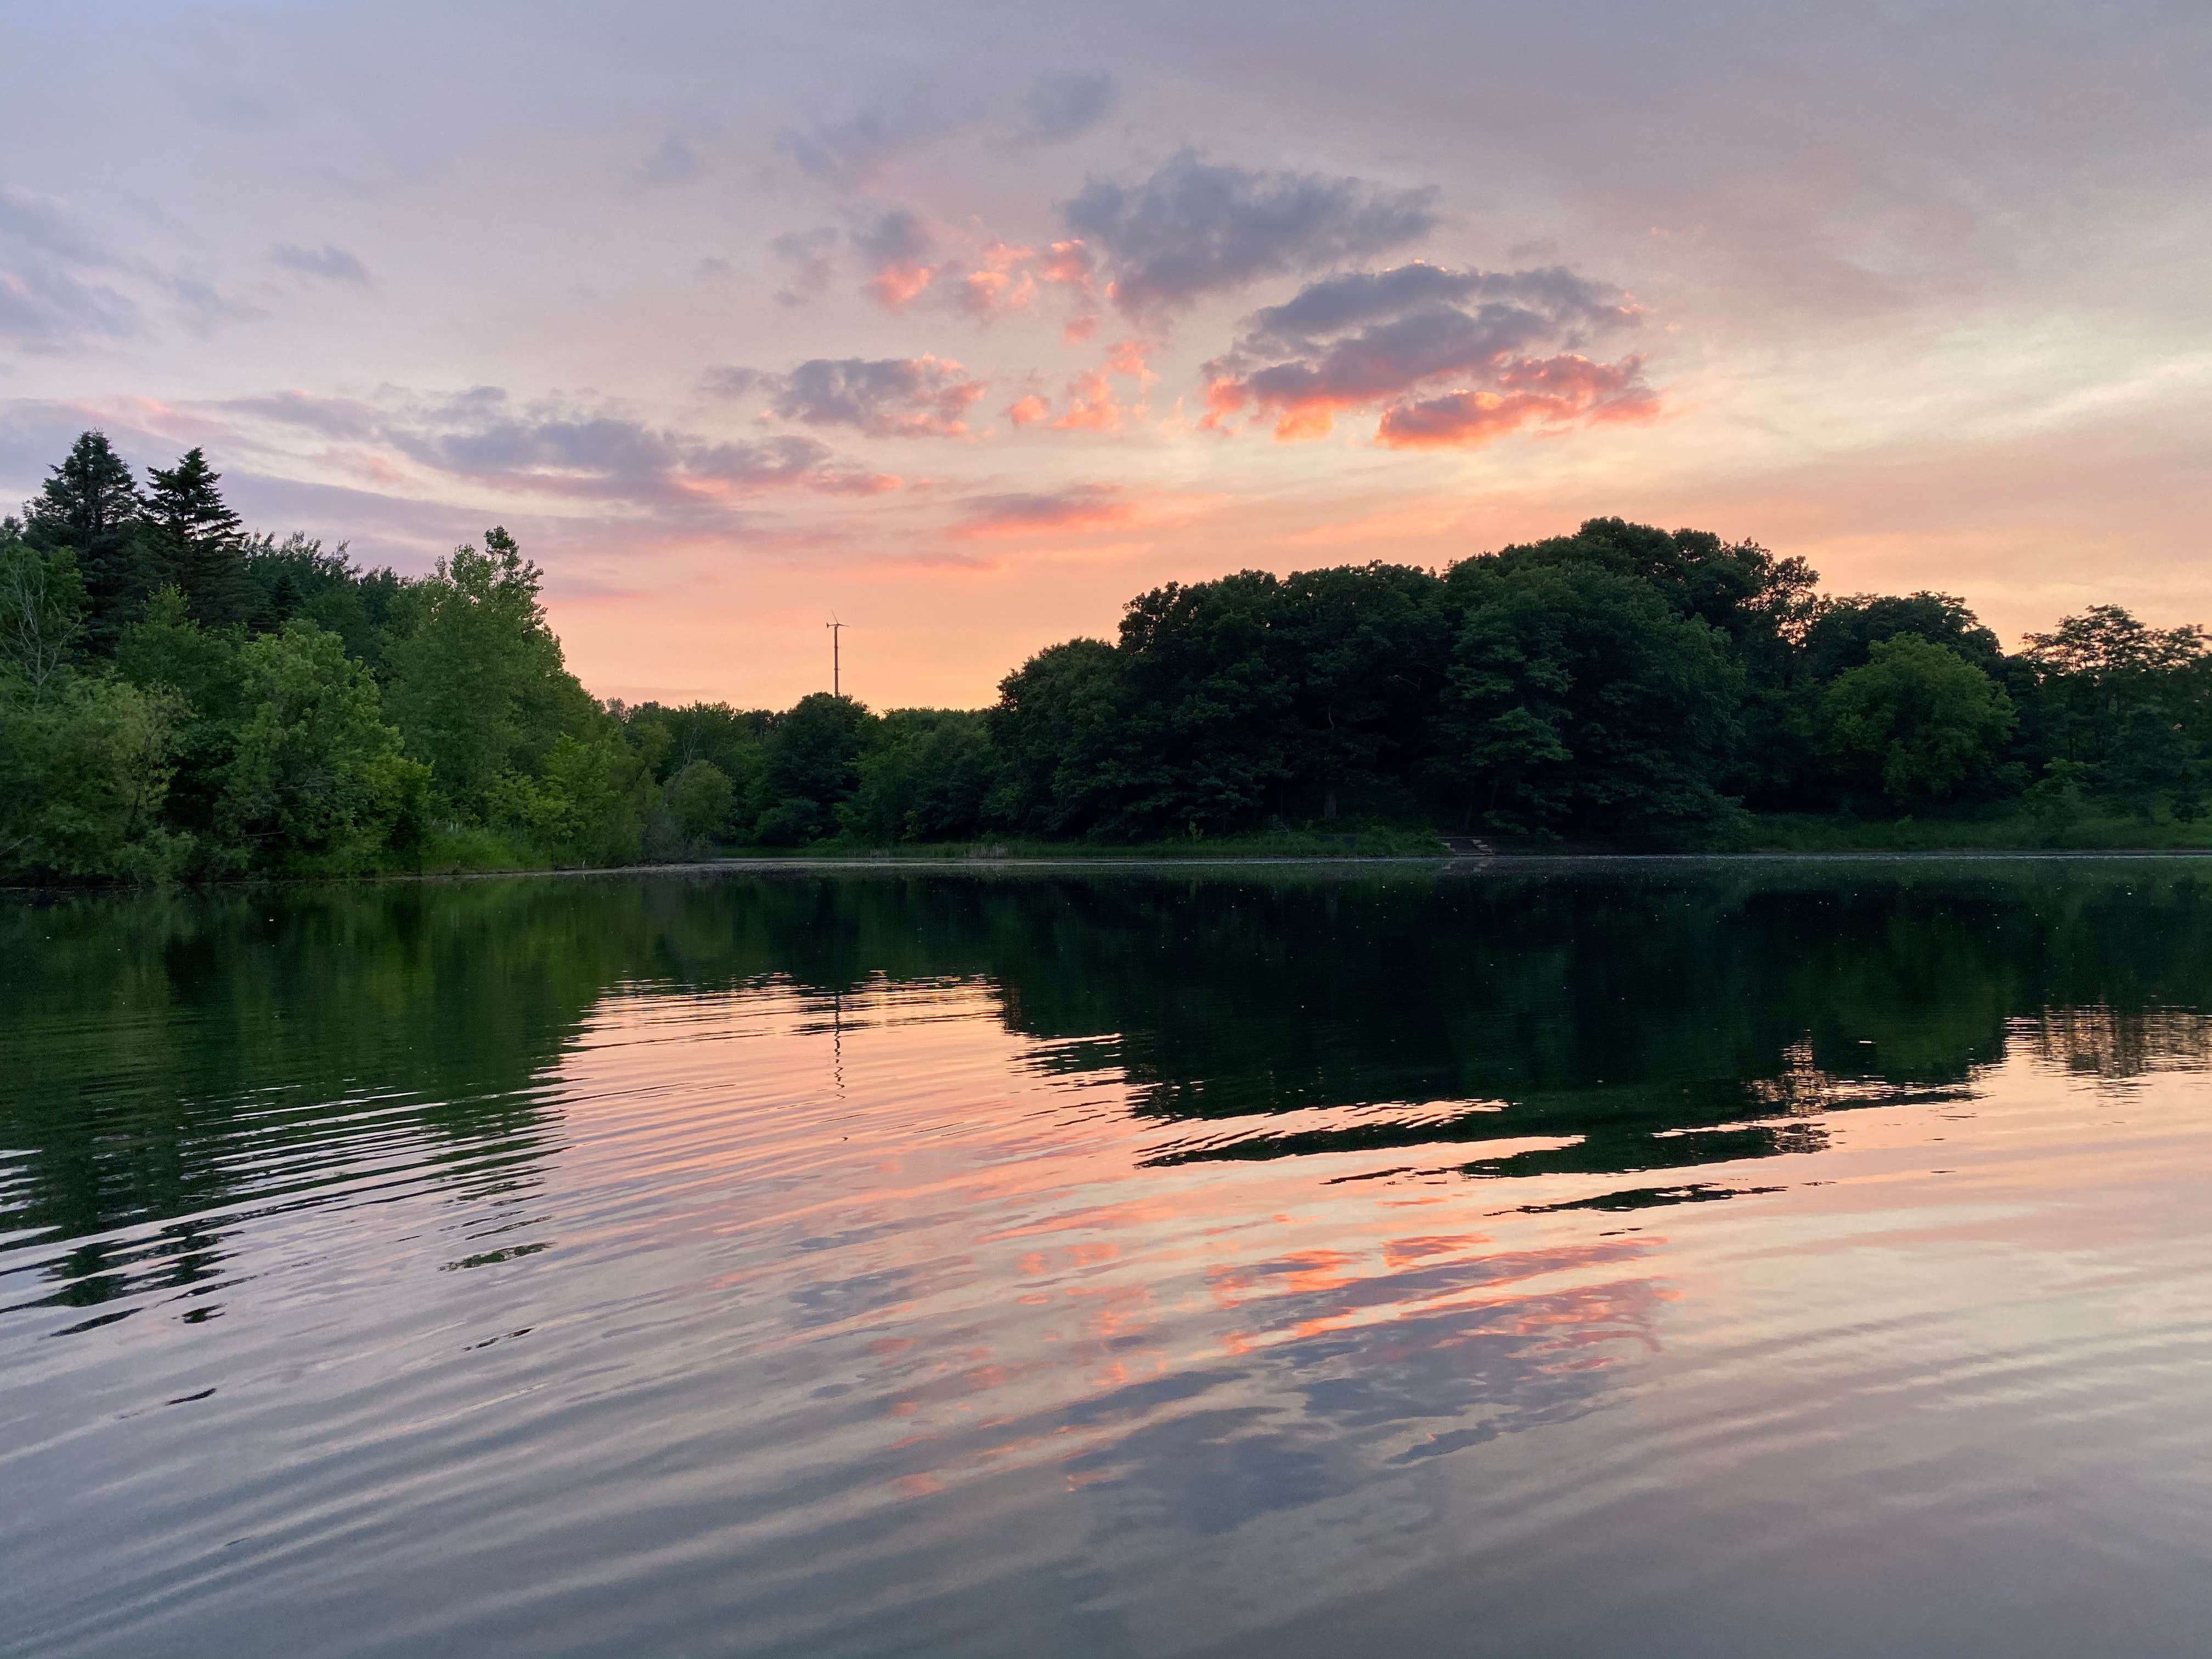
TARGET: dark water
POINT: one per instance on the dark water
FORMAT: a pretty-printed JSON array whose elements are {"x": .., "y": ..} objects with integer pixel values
[{"x": 1698, "y": 1260}]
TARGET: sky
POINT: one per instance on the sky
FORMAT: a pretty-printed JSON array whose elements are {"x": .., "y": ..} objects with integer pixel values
[{"x": 966, "y": 323}]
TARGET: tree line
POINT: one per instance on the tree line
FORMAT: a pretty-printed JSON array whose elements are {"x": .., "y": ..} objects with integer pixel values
[{"x": 181, "y": 698}]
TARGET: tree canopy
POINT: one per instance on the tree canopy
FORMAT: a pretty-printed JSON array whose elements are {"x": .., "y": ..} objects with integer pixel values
[{"x": 181, "y": 697}]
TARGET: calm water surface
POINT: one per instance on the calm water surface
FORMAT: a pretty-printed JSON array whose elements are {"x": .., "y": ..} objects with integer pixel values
[{"x": 1730, "y": 1259}]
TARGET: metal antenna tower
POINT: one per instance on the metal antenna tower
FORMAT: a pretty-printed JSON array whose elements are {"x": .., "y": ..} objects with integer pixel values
[{"x": 835, "y": 629}]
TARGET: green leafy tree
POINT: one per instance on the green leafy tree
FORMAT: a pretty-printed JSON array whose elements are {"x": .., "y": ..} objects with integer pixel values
[
  {"x": 2128, "y": 701},
  {"x": 1055, "y": 730},
  {"x": 42, "y": 613},
  {"x": 1206, "y": 741},
  {"x": 200, "y": 544},
  {"x": 317, "y": 780},
  {"x": 477, "y": 682},
  {"x": 811, "y": 767},
  {"x": 673, "y": 739},
  {"x": 1580, "y": 702},
  {"x": 924, "y": 776},
  {"x": 1760, "y": 603},
  {"x": 1916, "y": 723},
  {"x": 590, "y": 801},
  {"x": 166, "y": 652},
  {"x": 700, "y": 798},
  {"x": 1843, "y": 632},
  {"x": 1369, "y": 647},
  {"x": 296, "y": 578},
  {"x": 89, "y": 504},
  {"x": 84, "y": 776}
]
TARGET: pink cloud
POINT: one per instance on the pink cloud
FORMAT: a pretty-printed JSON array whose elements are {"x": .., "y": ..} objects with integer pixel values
[
  {"x": 1028, "y": 410},
  {"x": 1091, "y": 406},
  {"x": 1556, "y": 392},
  {"x": 998, "y": 283},
  {"x": 897, "y": 285}
]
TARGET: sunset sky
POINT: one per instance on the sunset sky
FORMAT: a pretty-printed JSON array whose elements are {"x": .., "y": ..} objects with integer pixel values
[{"x": 967, "y": 323}]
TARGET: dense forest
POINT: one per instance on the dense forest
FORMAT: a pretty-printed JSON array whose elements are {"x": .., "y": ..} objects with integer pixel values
[{"x": 181, "y": 698}]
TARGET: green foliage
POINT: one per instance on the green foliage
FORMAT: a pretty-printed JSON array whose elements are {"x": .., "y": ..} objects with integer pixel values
[
  {"x": 924, "y": 776},
  {"x": 295, "y": 578},
  {"x": 812, "y": 764},
  {"x": 317, "y": 780},
  {"x": 476, "y": 679},
  {"x": 1843, "y": 632},
  {"x": 1054, "y": 728},
  {"x": 1916, "y": 723},
  {"x": 84, "y": 776},
  {"x": 2056, "y": 800},
  {"x": 589, "y": 803},
  {"x": 2128, "y": 701},
  {"x": 1580, "y": 702},
  {"x": 42, "y": 613},
  {"x": 699, "y": 800},
  {"x": 181, "y": 697}
]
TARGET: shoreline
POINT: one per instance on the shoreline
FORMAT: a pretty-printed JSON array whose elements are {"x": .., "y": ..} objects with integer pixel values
[{"x": 1441, "y": 863}]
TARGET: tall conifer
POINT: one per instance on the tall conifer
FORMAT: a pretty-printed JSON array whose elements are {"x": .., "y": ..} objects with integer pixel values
[
  {"x": 90, "y": 505},
  {"x": 200, "y": 540}
]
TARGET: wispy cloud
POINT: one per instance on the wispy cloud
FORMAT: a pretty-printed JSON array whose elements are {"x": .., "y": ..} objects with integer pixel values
[
  {"x": 674, "y": 162},
  {"x": 1075, "y": 509},
  {"x": 329, "y": 263}
]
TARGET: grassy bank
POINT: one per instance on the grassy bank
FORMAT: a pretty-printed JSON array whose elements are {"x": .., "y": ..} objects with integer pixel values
[{"x": 2010, "y": 831}]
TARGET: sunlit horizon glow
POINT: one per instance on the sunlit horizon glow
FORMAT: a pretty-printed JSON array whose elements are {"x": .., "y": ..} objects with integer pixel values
[{"x": 971, "y": 327}]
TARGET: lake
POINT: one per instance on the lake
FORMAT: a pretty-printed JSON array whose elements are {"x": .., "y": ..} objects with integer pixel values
[{"x": 1579, "y": 1258}]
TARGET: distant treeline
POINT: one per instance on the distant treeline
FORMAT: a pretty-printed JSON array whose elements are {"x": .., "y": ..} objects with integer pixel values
[{"x": 179, "y": 697}]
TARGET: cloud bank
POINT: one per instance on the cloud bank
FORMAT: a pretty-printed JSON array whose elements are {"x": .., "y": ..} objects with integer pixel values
[{"x": 1450, "y": 358}]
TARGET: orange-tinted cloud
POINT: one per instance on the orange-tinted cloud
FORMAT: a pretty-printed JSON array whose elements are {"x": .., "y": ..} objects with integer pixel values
[
  {"x": 1558, "y": 392},
  {"x": 1127, "y": 358},
  {"x": 1028, "y": 410},
  {"x": 998, "y": 283},
  {"x": 1069, "y": 265},
  {"x": 1091, "y": 406},
  {"x": 896, "y": 286}
]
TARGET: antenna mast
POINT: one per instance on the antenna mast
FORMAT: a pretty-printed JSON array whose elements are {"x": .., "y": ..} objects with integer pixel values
[{"x": 835, "y": 629}]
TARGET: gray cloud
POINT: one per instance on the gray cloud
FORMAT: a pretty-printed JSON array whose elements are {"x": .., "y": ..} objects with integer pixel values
[
  {"x": 1497, "y": 349},
  {"x": 809, "y": 254},
  {"x": 673, "y": 163},
  {"x": 55, "y": 294},
  {"x": 896, "y": 235},
  {"x": 1195, "y": 227},
  {"x": 329, "y": 262},
  {"x": 1058, "y": 107},
  {"x": 882, "y": 397}
]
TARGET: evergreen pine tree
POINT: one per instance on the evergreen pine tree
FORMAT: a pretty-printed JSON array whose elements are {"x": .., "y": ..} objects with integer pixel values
[
  {"x": 200, "y": 541},
  {"x": 90, "y": 505}
]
